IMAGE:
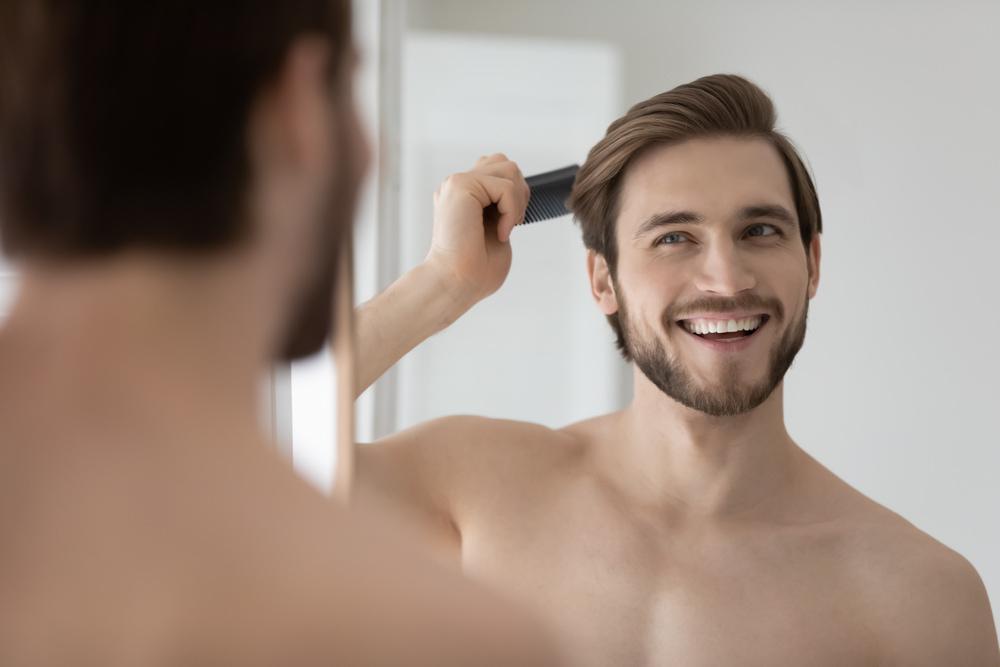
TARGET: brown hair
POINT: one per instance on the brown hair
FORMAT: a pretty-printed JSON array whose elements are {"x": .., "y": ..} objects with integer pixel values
[
  {"x": 717, "y": 105},
  {"x": 123, "y": 123}
]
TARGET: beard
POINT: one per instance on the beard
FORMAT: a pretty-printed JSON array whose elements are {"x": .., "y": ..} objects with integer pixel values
[
  {"x": 731, "y": 396},
  {"x": 312, "y": 321},
  {"x": 312, "y": 314}
]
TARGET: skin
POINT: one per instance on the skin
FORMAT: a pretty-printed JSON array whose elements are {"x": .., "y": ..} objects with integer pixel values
[
  {"x": 659, "y": 534},
  {"x": 144, "y": 518}
]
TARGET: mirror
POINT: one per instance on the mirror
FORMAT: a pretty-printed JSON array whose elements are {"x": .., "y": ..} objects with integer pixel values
[{"x": 893, "y": 107}]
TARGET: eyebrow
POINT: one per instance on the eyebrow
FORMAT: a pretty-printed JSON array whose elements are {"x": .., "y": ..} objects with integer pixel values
[{"x": 754, "y": 212}]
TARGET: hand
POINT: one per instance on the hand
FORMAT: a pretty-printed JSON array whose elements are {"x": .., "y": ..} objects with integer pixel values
[{"x": 474, "y": 215}]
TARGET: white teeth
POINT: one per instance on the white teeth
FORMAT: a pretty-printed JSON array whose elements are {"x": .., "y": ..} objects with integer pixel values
[{"x": 704, "y": 326}]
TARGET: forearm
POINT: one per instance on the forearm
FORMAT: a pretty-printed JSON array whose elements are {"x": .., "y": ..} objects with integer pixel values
[
  {"x": 468, "y": 260},
  {"x": 418, "y": 305}
]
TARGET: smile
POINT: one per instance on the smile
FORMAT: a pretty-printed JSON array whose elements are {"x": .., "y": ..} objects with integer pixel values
[{"x": 730, "y": 334}]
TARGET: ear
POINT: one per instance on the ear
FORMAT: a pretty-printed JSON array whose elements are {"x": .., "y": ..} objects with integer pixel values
[
  {"x": 813, "y": 261},
  {"x": 601, "y": 286}
]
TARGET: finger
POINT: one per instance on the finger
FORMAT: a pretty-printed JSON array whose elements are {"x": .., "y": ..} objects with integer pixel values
[
  {"x": 509, "y": 198},
  {"x": 490, "y": 159},
  {"x": 503, "y": 168},
  {"x": 509, "y": 170},
  {"x": 511, "y": 202}
]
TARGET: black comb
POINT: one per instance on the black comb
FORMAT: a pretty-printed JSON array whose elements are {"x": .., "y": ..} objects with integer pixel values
[{"x": 549, "y": 192}]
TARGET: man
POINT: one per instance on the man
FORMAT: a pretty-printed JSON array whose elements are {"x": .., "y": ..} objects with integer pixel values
[
  {"x": 175, "y": 180},
  {"x": 687, "y": 528}
]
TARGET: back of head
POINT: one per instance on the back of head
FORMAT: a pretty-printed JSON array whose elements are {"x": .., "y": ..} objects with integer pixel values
[
  {"x": 712, "y": 106},
  {"x": 122, "y": 124}
]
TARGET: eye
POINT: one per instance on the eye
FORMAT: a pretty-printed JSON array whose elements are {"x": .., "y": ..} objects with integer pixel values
[
  {"x": 763, "y": 229},
  {"x": 673, "y": 238}
]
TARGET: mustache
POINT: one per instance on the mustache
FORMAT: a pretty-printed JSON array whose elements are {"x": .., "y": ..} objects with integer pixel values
[{"x": 754, "y": 302}]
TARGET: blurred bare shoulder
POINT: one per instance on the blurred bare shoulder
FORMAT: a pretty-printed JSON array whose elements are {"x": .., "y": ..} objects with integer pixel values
[{"x": 195, "y": 555}]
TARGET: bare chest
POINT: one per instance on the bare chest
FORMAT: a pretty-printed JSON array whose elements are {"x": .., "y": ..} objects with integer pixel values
[{"x": 620, "y": 591}]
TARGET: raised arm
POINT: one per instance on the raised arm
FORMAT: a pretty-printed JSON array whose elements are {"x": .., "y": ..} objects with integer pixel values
[{"x": 468, "y": 260}]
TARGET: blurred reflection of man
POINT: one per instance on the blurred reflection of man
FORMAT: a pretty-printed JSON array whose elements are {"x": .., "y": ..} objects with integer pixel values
[
  {"x": 175, "y": 178},
  {"x": 687, "y": 528}
]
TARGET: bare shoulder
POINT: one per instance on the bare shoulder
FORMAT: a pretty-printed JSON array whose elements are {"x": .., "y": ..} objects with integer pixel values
[
  {"x": 927, "y": 602},
  {"x": 451, "y": 452},
  {"x": 924, "y": 603},
  {"x": 436, "y": 475},
  {"x": 227, "y": 559},
  {"x": 470, "y": 432}
]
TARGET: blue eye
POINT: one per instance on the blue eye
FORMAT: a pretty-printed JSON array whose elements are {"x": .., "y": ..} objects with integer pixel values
[
  {"x": 762, "y": 228},
  {"x": 672, "y": 238}
]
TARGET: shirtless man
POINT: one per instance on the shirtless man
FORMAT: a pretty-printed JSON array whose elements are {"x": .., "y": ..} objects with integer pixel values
[
  {"x": 688, "y": 528},
  {"x": 168, "y": 171}
]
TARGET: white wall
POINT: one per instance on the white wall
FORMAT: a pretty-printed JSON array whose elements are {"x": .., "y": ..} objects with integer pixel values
[{"x": 895, "y": 106}]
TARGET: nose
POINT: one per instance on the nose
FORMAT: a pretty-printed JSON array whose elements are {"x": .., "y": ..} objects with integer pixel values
[{"x": 724, "y": 271}]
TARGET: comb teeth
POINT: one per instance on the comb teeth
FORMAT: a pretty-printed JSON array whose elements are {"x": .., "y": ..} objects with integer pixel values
[{"x": 549, "y": 192}]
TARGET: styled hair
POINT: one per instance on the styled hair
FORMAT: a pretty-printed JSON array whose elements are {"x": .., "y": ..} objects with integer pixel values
[
  {"x": 712, "y": 106},
  {"x": 124, "y": 123}
]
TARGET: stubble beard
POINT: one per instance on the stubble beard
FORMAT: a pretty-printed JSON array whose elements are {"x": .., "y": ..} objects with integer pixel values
[
  {"x": 730, "y": 396},
  {"x": 310, "y": 325}
]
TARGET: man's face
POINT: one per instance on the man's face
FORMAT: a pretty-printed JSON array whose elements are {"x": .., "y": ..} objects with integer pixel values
[
  {"x": 310, "y": 326},
  {"x": 709, "y": 242}
]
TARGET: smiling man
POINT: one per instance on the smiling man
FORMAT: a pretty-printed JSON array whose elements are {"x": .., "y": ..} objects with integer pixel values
[{"x": 687, "y": 528}]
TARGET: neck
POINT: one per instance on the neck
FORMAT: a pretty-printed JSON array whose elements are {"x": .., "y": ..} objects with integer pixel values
[
  {"x": 143, "y": 342},
  {"x": 676, "y": 458}
]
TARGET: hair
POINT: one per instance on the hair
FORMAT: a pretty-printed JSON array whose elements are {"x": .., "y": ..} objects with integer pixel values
[
  {"x": 712, "y": 106},
  {"x": 124, "y": 123}
]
